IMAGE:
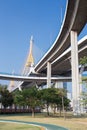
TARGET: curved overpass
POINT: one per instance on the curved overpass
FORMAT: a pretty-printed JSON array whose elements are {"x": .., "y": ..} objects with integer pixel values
[
  {"x": 62, "y": 65},
  {"x": 75, "y": 19},
  {"x": 31, "y": 78}
]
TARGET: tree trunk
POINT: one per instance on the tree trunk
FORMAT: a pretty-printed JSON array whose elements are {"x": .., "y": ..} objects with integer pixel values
[
  {"x": 48, "y": 110},
  {"x": 4, "y": 110},
  {"x": 54, "y": 110},
  {"x": 15, "y": 108},
  {"x": 63, "y": 107},
  {"x": 33, "y": 114},
  {"x": 1, "y": 107},
  {"x": 60, "y": 111}
]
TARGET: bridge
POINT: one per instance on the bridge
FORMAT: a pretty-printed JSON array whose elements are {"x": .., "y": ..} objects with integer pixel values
[
  {"x": 61, "y": 64},
  {"x": 60, "y": 60},
  {"x": 74, "y": 21},
  {"x": 38, "y": 79}
]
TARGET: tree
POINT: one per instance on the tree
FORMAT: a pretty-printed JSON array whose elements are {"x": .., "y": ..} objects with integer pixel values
[
  {"x": 83, "y": 96},
  {"x": 83, "y": 60},
  {"x": 47, "y": 97},
  {"x": 0, "y": 92},
  {"x": 6, "y": 98},
  {"x": 19, "y": 99},
  {"x": 31, "y": 98},
  {"x": 62, "y": 94},
  {"x": 54, "y": 97},
  {"x": 1, "y": 88},
  {"x": 28, "y": 97}
]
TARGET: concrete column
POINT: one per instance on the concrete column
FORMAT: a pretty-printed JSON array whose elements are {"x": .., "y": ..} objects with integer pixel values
[
  {"x": 48, "y": 74},
  {"x": 80, "y": 77},
  {"x": 58, "y": 84},
  {"x": 80, "y": 82},
  {"x": 75, "y": 72}
]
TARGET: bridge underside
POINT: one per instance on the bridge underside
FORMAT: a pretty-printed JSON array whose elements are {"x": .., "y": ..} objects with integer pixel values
[{"x": 61, "y": 67}]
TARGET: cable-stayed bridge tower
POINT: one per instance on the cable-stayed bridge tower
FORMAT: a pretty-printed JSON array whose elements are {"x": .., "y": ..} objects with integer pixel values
[
  {"x": 29, "y": 64},
  {"x": 28, "y": 67},
  {"x": 11, "y": 85}
]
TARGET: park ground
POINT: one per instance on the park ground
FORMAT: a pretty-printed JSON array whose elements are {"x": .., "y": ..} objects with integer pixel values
[{"x": 71, "y": 122}]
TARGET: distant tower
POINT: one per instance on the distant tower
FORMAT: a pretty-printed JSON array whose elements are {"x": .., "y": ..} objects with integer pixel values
[
  {"x": 11, "y": 85},
  {"x": 30, "y": 59},
  {"x": 29, "y": 66}
]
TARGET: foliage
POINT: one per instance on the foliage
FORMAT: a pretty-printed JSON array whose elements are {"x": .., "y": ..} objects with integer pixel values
[
  {"x": 6, "y": 98},
  {"x": 83, "y": 61},
  {"x": 54, "y": 97},
  {"x": 84, "y": 98},
  {"x": 47, "y": 97},
  {"x": 18, "y": 98},
  {"x": 33, "y": 97},
  {"x": 28, "y": 97}
]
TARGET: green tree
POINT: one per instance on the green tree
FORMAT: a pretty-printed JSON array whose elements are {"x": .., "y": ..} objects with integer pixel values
[
  {"x": 83, "y": 60},
  {"x": 31, "y": 98},
  {"x": 19, "y": 99},
  {"x": 62, "y": 94},
  {"x": 83, "y": 96},
  {"x": 42, "y": 96},
  {"x": 6, "y": 98},
  {"x": 47, "y": 97},
  {"x": 27, "y": 97},
  {"x": 54, "y": 97}
]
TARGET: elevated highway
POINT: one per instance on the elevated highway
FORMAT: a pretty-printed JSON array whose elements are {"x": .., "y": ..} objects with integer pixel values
[
  {"x": 75, "y": 19},
  {"x": 62, "y": 65},
  {"x": 57, "y": 57},
  {"x": 29, "y": 79}
]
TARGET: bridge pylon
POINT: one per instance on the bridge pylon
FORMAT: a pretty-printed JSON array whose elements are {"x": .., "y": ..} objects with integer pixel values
[
  {"x": 11, "y": 85},
  {"x": 29, "y": 65}
]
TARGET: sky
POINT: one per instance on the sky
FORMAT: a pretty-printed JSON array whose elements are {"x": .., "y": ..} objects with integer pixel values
[{"x": 21, "y": 19}]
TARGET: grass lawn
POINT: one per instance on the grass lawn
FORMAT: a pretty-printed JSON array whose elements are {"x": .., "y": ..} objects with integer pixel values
[
  {"x": 72, "y": 123},
  {"x": 15, "y": 126}
]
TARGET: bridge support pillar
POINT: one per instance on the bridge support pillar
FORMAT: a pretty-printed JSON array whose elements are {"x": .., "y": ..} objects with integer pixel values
[
  {"x": 81, "y": 106},
  {"x": 58, "y": 84},
  {"x": 48, "y": 74},
  {"x": 75, "y": 73}
]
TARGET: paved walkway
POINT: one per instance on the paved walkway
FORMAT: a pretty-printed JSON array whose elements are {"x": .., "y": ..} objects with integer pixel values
[{"x": 46, "y": 126}]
